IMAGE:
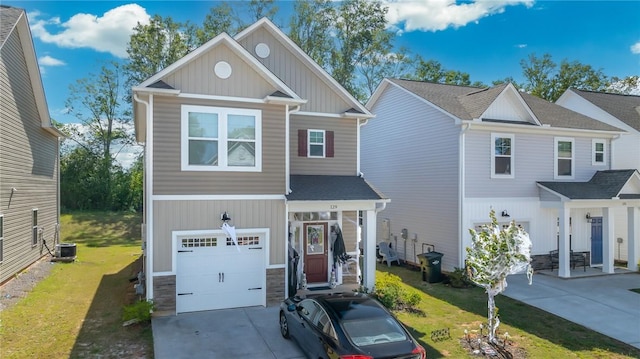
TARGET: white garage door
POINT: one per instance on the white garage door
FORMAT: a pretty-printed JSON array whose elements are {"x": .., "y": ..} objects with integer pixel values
[{"x": 213, "y": 273}]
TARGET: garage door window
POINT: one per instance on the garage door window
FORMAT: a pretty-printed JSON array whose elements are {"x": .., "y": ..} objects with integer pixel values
[
  {"x": 199, "y": 242},
  {"x": 245, "y": 241}
]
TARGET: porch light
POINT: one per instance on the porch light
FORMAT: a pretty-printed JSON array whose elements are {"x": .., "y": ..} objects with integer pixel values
[
  {"x": 588, "y": 217},
  {"x": 505, "y": 213},
  {"x": 225, "y": 217}
]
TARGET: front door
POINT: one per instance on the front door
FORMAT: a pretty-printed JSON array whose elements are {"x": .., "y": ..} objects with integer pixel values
[
  {"x": 596, "y": 240},
  {"x": 316, "y": 252}
]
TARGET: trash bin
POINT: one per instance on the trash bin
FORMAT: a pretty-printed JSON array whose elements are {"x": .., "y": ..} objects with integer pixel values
[{"x": 430, "y": 264}]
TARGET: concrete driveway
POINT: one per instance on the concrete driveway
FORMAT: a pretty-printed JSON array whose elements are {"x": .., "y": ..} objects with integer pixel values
[{"x": 251, "y": 332}]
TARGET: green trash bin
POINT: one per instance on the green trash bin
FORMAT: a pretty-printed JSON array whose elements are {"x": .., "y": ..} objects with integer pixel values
[{"x": 430, "y": 264}]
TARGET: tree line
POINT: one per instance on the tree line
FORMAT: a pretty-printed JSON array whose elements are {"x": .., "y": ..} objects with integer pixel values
[{"x": 349, "y": 39}]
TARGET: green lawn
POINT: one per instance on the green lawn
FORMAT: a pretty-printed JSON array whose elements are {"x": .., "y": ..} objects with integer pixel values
[
  {"x": 76, "y": 311},
  {"x": 541, "y": 334}
]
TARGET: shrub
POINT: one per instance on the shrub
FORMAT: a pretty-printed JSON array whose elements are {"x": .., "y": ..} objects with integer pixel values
[
  {"x": 140, "y": 311},
  {"x": 390, "y": 292},
  {"x": 458, "y": 278}
]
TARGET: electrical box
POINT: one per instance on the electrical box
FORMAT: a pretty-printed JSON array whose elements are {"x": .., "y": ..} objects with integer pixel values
[{"x": 404, "y": 234}]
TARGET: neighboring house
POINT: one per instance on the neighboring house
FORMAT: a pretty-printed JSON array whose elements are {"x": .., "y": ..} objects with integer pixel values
[
  {"x": 29, "y": 151},
  {"x": 249, "y": 127},
  {"x": 622, "y": 111},
  {"x": 446, "y": 155}
]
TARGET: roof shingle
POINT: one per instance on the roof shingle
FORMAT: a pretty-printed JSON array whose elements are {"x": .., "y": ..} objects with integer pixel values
[{"x": 331, "y": 188}]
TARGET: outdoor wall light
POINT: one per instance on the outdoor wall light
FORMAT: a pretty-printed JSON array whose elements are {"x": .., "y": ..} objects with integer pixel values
[
  {"x": 505, "y": 213},
  {"x": 225, "y": 217},
  {"x": 588, "y": 217}
]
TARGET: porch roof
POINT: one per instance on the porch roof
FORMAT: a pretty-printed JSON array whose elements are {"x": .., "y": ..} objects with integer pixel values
[
  {"x": 603, "y": 185},
  {"x": 332, "y": 188}
]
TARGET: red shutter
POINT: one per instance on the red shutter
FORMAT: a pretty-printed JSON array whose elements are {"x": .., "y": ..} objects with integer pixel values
[
  {"x": 302, "y": 143},
  {"x": 329, "y": 149}
]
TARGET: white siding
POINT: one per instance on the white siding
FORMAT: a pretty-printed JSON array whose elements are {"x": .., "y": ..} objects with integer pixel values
[{"x": 410, "y": 152}]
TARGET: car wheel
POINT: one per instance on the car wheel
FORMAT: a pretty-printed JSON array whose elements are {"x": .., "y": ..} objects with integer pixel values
[{"x": 284, "y": 326}]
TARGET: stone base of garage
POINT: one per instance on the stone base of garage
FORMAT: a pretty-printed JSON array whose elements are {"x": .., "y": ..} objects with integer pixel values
[{"x": 164, "y": 291}]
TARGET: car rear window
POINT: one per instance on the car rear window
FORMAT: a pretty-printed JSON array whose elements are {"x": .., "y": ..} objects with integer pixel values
[{"x": 370, "y": 331}]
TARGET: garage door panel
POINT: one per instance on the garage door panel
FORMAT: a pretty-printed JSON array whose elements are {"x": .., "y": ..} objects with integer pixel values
[{"x": 212, "y": 273}]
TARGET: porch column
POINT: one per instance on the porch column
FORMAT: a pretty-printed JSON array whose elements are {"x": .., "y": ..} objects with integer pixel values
[
  {"x": 369, "y": 272},
  {"x": 564, "y": 270},
  {"x": 633, "y": 238},
  {"x": 608, "y": 237}
]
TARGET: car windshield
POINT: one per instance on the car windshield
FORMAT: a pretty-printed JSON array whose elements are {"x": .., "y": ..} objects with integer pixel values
[{"x": 370, "y": 331}]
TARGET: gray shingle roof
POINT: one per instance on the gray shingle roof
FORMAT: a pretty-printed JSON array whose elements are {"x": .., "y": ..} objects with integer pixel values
[
  {"x": 603, "y": 185},
  {"x": 331, "y": 188},
  {"x": 468, "y": 103},
  {"x": 8, "y": 18},
  {"x": 625, "y": 108},
  {"x": 161, "y": 85}
]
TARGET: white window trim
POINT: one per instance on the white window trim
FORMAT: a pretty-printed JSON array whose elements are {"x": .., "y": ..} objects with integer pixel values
[
  {"x": 2, "y": 238},
  {"x": 324, "y": 143},
  {"x": 34, "y": 227},
  {"x": 493, "y": 155},
  {"x": 222, "y": 113},
  {"x": 593, "y": 152},
  {"x": 555, "y": 157}
]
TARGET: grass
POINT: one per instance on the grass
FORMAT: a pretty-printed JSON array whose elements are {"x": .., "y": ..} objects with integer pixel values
[
  {"x": 541, "y": 334},
  {"x": 76, "y": 311}
]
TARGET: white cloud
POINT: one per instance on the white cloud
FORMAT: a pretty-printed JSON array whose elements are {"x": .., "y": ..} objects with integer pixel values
[
  {"x": 435, "y": 15},
  {"x": 107, "y": 33},
  {"x": 521, "y": 46},
  {"x": 635, "y": 48},
  {"x": 50, "y": 61}
]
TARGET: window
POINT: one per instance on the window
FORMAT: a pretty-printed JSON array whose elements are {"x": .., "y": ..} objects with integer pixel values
[
  {"x": 501, "y": 156},
  {"x": 315, "y": 143},
  {"x": 34, "y": 237},
  {"x": 1, "y": 238},
  {"x": 221, "y": 139},
  {"x": 564, "y": 157},
  {"x": 599, "y": 156}
]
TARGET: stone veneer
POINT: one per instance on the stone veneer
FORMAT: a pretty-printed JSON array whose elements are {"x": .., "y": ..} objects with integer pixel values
[
  {"x": 164, "y": 293},
  {"x": 275, "y": 286}
]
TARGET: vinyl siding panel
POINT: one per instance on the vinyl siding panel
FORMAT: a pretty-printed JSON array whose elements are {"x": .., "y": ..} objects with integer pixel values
[
  {"x": 198, "y": 76},
  {"x": 410, "y": 152},
  {"x": 28, "y": 162},
  {"x": 168, "y": 179},
  {"x": 302, "y": 79},
  {"x": 344, "y": 161},
  {"x": 171, "y": 216},
  {"x": 533, "y": 161}
]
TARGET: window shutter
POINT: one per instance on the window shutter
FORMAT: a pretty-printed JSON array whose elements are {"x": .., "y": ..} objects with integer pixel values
[
  {"x": 302, "y": 143},
  {"x": 329, "y": 149}
]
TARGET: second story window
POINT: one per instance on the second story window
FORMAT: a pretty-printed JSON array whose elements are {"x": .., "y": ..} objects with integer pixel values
[
  {"x": 564, "y": 157},
  {"x": 599, "y": 156},
  {"x": 315, "y": 143},
  {"x": 502, "y": 156},
  {"x": 221, "y": 139}
]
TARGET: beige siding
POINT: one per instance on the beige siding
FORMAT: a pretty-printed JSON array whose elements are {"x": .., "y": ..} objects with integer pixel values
[
  {"x": 302, "y": 79},
  {"x": 168, "y": 178},
  {"x": 28, "y": 162},
  {"x": 198, "y": 76},
  {"x": 171, "y": 216},
  {"x": 346, "y": 146}
]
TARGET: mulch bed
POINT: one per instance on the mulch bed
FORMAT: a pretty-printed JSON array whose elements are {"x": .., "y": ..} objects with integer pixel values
[{"x": 478, "y": 345}]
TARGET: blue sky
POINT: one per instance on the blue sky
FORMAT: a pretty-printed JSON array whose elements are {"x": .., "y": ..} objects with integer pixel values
[{"x": 486, "y": 39}]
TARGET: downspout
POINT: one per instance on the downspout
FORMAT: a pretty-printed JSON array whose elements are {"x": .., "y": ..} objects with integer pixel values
[
  {"x": 148, "y": 243},
  {"x": 461, "y": 191}
]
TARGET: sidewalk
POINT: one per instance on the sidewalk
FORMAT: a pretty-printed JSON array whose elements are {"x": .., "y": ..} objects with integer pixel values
[{"x": 603, "y": 303}]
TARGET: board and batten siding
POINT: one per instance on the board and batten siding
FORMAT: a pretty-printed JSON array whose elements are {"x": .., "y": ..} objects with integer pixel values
[
  {"x": 410, "y": 152},
  {"x": 533, "y": 161},
  {"x": 182, "y": 215},
  {"x": 344, "y": 161},
  {"x": 28, "y": 162},
  {"x": 198, "y": 76},
  {"x": 169, "y": 179},
  {"x": 302, "y": 79}
]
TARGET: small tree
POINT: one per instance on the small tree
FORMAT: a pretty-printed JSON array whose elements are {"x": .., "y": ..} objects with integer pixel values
[{"x": 495, "y": 253}]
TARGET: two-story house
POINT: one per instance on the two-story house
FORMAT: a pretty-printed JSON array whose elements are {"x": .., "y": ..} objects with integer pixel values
[
  {"x": 29, "y": 151},
  {"x": 250, "y": 132},
  {"x": 447, "y": 155},
  {"x": 622, "y": 111}
]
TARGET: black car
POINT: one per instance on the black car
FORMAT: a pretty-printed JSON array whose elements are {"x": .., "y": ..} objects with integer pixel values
[{"x": 346, "y": 326}]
